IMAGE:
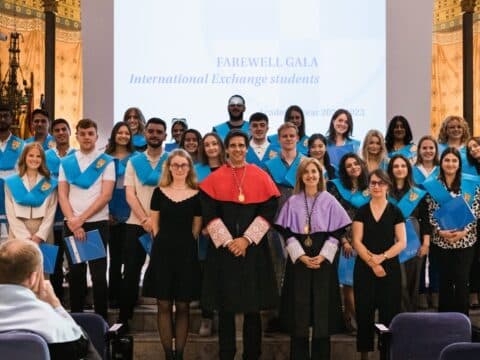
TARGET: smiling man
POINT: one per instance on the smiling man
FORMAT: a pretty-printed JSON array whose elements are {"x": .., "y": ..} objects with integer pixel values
[
  {"x": 41, "y": 126},
  {"x": 238, "y": 206},
  {"x": 236, "y": 109}
]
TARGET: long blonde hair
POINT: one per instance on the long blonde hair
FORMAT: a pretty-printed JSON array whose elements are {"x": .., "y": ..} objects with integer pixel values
[
  {"x": 167, "y": 177},
  {"x": 383, "y": 152},
  {"x": 22, "y": 164},
  {"x": 302, "y": 168}
]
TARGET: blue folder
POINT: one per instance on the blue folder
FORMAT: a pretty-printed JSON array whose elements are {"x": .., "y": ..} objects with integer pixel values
[
  {"x": 90, "y": 249},
  {"x": 336, "y": 152},
  {"x": 345, "y": 270},
  {"x": 49, "y": 253},
  {"x": 413, "y": 242},
  {"x": 455, "y": 214},
  {"x": 146, "y": 241}
]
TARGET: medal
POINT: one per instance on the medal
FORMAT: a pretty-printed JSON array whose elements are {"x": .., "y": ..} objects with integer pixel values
[
  {"x": 308, "y": 241},
  {"x": 241, "y": 197},
  {"x": 306, "y": 229}
]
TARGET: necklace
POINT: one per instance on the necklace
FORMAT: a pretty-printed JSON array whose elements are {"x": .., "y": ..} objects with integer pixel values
[
  {"x": 241, "y": 196},
  {"x": 308, "y": 226}
]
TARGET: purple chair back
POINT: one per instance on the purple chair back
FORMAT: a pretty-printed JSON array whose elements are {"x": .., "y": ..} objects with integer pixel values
[
  {"x": 23, "y": 345},
  {"x": 96, "y": 328},
  {"x": 424, "y": 335},
  {"x": 463, "y": 351}
]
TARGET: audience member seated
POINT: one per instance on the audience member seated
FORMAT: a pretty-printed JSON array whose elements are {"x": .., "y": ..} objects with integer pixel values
[{"x": 28, "y": 303}]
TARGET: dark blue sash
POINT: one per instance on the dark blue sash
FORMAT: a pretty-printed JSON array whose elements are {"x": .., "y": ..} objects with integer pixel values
[
  {"x": 86, "y": 178},
  {"x": 271, "y": 152},
  {"x": 53, "y": 160},
  {"x": 356, "y": 199},
  {"x": 34, "y": 197},
  {"x": 409, "y": 151},
  {"x": 440, "y": 194},
  {"x": 9, "y": 157},
  {"x": 145, "y": 173},
  {"x": 139, "y": 141},
  {"x": 49, "y": 142},
  {"x": 202, "y": 171},
  {"x": 409, "y": 201},
  {"x": 280, "y": 173},
  {"x": 223, "y": 129}
]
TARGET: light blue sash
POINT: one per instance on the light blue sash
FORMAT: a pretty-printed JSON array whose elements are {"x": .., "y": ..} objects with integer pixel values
[
  {"x": 139, "y": 141},
  {"x": 86, "y": 178},
  {"x": 419, "y": 178},
  {"x": 223, "y": 129},
  {"x": 145, "y": 173},
  {"x": 356, "y": 199},
  {"x": 409, "y": 201},
  {"x": 53, "y": 160},
  {"x": 171, "y": 146},
  {"x": 9, "y": 157},
  {"x": 409, "y": 151},
  {"x": 121, "y": 164},
  {"x": 440, "y": 194},
  {"x": 202, "y": 171},
  {"x": 34, "y": 197},
  {"x": 49, "y": 142},
  {"x": 271, "y": 152},
  {"x": 302, "y": 145},
  {"x": 280, "y": 173}
]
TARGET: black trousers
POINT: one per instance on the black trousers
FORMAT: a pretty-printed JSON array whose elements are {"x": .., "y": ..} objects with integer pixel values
[
  {"x": 98, "y": 269},
  {"x": 455, "y": 267},
  {"x": 252, "y": 336},
  {"x": 115, "y": 249},
  {"x": 299, "y": 348},
  {"x": 134, "y": 258},
  {"x": 410, "y": 283},
  {"x": 57, "y": 277}
]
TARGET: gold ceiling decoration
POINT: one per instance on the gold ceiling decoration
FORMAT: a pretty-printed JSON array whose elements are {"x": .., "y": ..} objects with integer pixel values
[{"x": 68, "y": 11}]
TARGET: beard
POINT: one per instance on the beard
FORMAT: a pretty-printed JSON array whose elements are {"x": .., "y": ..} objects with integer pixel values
[
  {"x": 154, "y": 145},
  {"x": 235, "y": 117}
]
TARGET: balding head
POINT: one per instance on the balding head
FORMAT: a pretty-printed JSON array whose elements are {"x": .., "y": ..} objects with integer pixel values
[{"x": 18, "y": 260}]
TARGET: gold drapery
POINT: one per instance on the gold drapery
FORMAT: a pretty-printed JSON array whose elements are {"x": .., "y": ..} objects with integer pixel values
[{"x": 68, "y": 62}]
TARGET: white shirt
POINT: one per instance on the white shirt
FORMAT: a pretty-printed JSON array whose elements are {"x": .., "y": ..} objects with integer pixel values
[
  {"x": 81, "y": 199},
  {"x": 16, "y": 212},
  {"x": 259, "y": 149}
]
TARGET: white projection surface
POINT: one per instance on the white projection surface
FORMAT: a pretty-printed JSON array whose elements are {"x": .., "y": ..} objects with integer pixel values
[{"x": 185, "y": 58}]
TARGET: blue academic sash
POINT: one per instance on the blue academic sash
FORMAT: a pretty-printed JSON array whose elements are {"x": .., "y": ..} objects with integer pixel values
[
  {"x": 356, "y": 199},
  {"x": 409, "y": 201},
  {"x": 440, "y": 194},
  {"x": 419, "y": 178},
  {"x": 271, "y": 152},
  {"x": 409, "y": 151},
  {"x": 280, "y": 173},
  {"x": 171, "y": 146},
  {"x": 118, "y": 205},
  {"x": 145, "y": 173},
  {"x": 139, "y": 141},
  {"x": 34, "y": 197},
  {"x": 86, "y": 178},
  {"x": 49, "y": 142},
  {"x": 223, "y": 129},
  {"x": 53, "y": 160},
  {"x": 9, "y": 157},
  {"x": 337, "y": 152},
  {"x": 202, "y": 171},
  {"x": 302, "y": 144}
]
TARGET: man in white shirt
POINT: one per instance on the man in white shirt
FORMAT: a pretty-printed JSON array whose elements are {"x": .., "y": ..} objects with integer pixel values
[
  {"x": 28, "y": 303},
  {"x": 85, "y": 186},
  {"x": 260, "y": 149},
  {"x": 142, "y": 175}
]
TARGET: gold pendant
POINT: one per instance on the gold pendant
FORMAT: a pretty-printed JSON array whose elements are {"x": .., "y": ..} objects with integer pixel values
[
  {"x": 308, "y": 241},
  {"x": 241, "y": 197},
  {"x": 306, "y": 229}
]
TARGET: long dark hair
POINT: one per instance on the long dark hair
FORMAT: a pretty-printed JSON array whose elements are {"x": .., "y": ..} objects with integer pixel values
[
  {"x": 408, "y": 180},
  {"x": 288, "y": 113},
  {"x": 112, "y": 145},
  {"x": 458, "y": 176},
  {"x": 203, "y": 155},
  {"x": 345, "y": 179},
  {"x": 389, "y": 137},
  {"x": 326, "y": 158},
  {"x": 331, "y": 128},
  {"x": 471, "y": 160}
]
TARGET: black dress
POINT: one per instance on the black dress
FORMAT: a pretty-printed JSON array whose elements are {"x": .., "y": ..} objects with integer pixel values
[
  {"x": 173, "y": 272},
  {"x": 372, "y": 292}
]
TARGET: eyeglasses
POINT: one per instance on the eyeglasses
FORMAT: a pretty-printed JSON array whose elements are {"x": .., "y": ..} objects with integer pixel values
[
  {"x": 235, "y": 105},
  {"x": 374, "y": 183},
  {"x": 179, "y": 166},
  {"x": 180, "y": 120}
]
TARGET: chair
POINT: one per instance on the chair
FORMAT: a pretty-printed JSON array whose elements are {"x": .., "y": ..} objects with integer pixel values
[
  {"x": 463, "y": 351},
  {"x": 422, "y": 335},
  {"x": 96, "y": 328},
  {"x": 23, "y": 345}
]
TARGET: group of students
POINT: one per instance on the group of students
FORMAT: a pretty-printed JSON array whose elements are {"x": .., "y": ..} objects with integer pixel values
[{"x": 223, "y": 209}]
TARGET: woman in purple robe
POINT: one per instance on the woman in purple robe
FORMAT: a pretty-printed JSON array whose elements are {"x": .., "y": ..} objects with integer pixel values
[{"x": 312, "y": 221}]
